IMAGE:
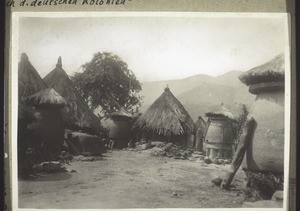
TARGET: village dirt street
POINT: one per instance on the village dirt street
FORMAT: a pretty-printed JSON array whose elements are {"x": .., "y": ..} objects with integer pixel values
[{"x": 129, "y": 179}]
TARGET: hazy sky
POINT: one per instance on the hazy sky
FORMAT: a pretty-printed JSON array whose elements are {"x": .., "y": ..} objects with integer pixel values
[{"x": 155, "y": 48}]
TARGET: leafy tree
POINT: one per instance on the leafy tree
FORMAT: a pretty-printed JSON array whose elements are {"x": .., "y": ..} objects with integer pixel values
[{"x": 108, "y": 84}]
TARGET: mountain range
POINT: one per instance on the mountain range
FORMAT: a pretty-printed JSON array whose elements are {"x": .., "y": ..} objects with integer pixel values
[{"x": 200, "y": 93}]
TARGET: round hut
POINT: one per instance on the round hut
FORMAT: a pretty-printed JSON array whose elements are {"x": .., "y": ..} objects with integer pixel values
[
  {"x": 166, "y": 120},
  {"x": 25, "y": 117},
  {"x": 50, "y": 125},
  {"x": 219, "y": 135},
  {"x": 266, "y": 152},
  {"x": 77, "y": 114},
  {"x": 119, "y": 127},
  {"x": 201, "y": 127}
]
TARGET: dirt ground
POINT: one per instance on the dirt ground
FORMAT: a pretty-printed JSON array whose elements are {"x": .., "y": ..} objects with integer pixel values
[{"x": 129, "y": 179}]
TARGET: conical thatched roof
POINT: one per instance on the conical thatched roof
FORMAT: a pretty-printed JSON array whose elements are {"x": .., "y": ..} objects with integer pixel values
[
  {"x": 166, "y": 116},
  {"x": 232, "y": 112},
  {"x": 272, "y": 70},
  {"x": 30, "y": 82},
  {"x": 79, "y": 111},
  {"x": 220, "y": 111},
  {"x": 46, "y": 97},
  {"x": 200, "y": 123}
]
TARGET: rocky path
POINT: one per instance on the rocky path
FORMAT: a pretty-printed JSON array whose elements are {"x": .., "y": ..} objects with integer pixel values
[{"x": 128, "y": 179}]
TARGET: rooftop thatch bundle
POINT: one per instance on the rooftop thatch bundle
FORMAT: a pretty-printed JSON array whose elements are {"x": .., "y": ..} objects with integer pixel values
[
  {"x": 271, "y": 71},
  {"x": 46, "y": 97},
  {"x": 30, "y": 82},
  {"x": 166, "y": 116},
  {"x": 79, "y": 109}
]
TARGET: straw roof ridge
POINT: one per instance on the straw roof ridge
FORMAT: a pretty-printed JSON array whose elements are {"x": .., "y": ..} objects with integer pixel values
[
  {"x": 60, "y": 81},
  {"x": 29, "y": 78},
  {"x": 272, "y": 70},
  {"x": 166, "y": 116},
  {"x": 46, "y": 97}
]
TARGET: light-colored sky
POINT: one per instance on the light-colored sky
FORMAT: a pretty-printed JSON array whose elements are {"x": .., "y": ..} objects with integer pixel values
[{"x": 155, "y": 48}]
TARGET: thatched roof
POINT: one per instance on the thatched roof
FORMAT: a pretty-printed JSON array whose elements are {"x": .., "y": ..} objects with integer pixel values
[
  {"x": 79, "y": 111},
  {"x": 221, "y": 111},
  {"x": 24, "y": 112},
  {"x": 30, "y": 82},
  {"x": 166, "y": 116},
  {"x": 270, "y": 71},
  {"x": 120, "y": 113},
  {"x": 200, "y": 123},
  {"x": 233, "y": 111},
  {"x": 46, "y": 97}
]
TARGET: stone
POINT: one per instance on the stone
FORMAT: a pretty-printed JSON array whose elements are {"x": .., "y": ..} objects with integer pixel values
[
  {"x": 278, "y": 196},
  {"x": 175, "y": 194},
  {"x": 217, "y": 162},
  {"x": 221, "y": 161},
  {"x": 157, "y": 144},
  {"x": 156, "y": 151},
  {"x": 146, "y": 146},
  {"x": 198, "y": 160},
  {"x": 73, "y": 171},
  {"x": 207, "y": 160},
  {"x": 263, "y": 204},
  {"x": 168, "y": 147},
  {"x": 137, "y": 144},
  {"x": 226, "y": 161},
  {"x": 198, "y": 153},
  {"x": 217, "y": 181}
]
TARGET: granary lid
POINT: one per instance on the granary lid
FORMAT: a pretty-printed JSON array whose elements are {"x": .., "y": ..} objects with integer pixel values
[
  {"x": 46, "y": 97},
  {"x": 268, "y": 76},
  {"x": 220, "y": 111},
  {"x": 121, "y": 113}
]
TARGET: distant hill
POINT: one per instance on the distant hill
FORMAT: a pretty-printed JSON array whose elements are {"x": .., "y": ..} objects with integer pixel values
[{"x": 200, "y": 93}]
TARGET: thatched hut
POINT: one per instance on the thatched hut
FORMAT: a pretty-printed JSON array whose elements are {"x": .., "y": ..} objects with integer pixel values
[
  {"x": 77, "y": 114},
  {"x": 201, "y": 127},
  {"x": 119, "y": 127},
  {"x": 219, "y": 135},
  {"x": 30, "y": 82},
  {"x": 50, "y": 126},
  {"x": 25, "y": 117},
  {"x": 166, "y": 120},
  {"x": 266, "y": 153}
]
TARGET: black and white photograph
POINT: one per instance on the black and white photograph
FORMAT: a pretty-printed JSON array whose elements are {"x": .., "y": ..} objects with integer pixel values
[{"x": 150, "y": 110}]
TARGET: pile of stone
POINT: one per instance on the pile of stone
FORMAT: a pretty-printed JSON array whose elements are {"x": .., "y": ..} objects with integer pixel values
[
  {"x": 216, "y": 160},
  {"x": 49, "y": 167},
  {"x": 275, "y": 202},
  {"x": 87, "y": 158}
]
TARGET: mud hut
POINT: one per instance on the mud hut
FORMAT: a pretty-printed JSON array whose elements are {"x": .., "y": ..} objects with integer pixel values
[
  {"x": 77, "y": 114},
  {"x": 266, "y": 153},
  {"x": 219, "y": 135},
  {"x": 201, "y": 127},
  {"x": 50, "y": 126},
  {"x": 166, "y": 120},
  {"x": 30, "y": 82},
  {"x": 119, "y": 127}
]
